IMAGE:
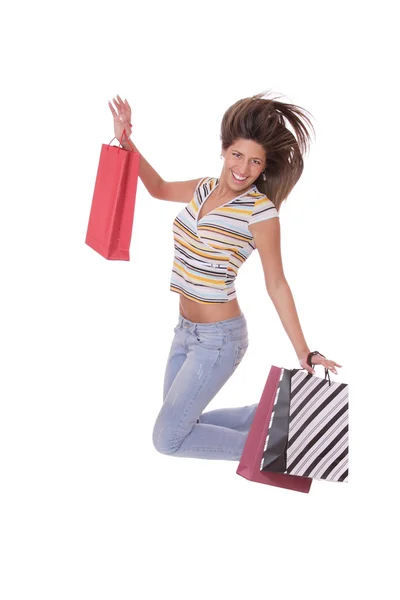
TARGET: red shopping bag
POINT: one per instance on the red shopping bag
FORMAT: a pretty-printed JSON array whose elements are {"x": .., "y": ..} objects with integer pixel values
[
  {"x": 250, "y": 462},
  {"x": 110, "y": 225}
]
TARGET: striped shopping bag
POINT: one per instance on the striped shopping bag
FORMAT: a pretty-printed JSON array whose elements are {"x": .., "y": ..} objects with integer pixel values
[{"x": 308, "y": 427}]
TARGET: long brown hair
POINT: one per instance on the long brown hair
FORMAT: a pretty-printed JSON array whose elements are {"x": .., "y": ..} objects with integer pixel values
[{"x": 262, "y": 120}]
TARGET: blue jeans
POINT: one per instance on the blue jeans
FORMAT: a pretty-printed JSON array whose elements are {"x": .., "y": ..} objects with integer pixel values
[{"x": 202, "y": 358}]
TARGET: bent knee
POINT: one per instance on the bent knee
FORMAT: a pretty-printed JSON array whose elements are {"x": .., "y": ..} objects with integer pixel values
[{"x": 164, "y": 441}]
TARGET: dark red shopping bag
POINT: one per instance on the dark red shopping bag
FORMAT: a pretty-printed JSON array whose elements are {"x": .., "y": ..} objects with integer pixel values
[
  {"x": 110, "y": 225},
  {"x": 250, "y": 462}
]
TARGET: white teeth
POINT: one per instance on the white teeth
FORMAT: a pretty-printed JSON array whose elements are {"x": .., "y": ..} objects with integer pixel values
[{"x": 239, "y": 178}]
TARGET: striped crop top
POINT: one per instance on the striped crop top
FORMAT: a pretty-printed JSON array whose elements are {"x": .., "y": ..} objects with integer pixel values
[{"x": 208, "y": 253}]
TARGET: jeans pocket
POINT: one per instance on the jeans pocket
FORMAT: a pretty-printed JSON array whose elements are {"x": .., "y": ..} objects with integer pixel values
[
  {"x": 240, "y": 352},
  {"x": 237, "y": 334},
  {"x": 211, "y": 340}
]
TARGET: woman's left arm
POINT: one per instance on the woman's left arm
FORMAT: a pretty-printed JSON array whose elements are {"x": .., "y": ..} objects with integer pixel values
[{"x": 267, "y": 238}]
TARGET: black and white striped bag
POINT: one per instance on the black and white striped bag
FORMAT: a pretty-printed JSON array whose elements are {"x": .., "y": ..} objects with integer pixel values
[{"x": 308, "y": 428}]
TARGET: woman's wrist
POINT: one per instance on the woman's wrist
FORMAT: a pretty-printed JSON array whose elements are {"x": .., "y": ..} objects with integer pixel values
[
  {"x": 128, "y": 144},
  {"x": 303, "y": 353}
]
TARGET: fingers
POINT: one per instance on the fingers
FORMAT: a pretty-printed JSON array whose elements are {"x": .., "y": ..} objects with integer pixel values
[
  {"x": 112, "y": 109},
  {"x": 118, "y": 102},
  {"x": 120, "y": 106},
  {"x": 328, "y": 364},
  {"x": 123, "y": 111},
  {"x": 334, "y": 364}
]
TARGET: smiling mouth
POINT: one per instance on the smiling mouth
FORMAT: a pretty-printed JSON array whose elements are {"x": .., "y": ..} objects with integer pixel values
[{"x": 237, "y": 178}]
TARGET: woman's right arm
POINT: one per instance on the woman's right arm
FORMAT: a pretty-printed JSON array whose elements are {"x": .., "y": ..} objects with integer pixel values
[{"x": 176, "y": 191}]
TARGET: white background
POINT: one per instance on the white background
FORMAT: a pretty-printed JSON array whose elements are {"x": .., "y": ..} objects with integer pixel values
[{"x": 88, "y": 508}]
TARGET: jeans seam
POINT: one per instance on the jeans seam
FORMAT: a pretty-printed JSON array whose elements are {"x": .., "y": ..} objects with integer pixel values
[
  {"x": 210, "y": 450},
  {"x": 176, "y": 436},
  {"x": 241, "y": 348}
]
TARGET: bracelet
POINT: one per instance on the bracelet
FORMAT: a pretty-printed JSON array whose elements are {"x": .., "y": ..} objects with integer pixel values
[{"x": 312, "y": 354}]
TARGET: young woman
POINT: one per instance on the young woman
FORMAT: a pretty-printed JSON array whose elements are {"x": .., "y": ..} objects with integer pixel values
[{"x": 224, "y": 219}]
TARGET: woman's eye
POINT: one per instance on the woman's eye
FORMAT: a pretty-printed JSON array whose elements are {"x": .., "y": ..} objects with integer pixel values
[{"x": 238, "y": 156}]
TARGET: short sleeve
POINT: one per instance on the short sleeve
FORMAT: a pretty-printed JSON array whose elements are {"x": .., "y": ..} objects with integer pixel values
[
  {"x": 204, "y": 187},
  {"x": 202, "y": 182},
  {"x": 263, "y": 209}
]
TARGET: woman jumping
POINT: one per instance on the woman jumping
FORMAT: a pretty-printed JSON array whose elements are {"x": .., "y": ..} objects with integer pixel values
[{"x": 224, "y": 219}]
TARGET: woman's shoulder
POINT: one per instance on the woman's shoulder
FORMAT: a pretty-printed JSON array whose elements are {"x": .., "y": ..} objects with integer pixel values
[
  {"x": 206, "y": 185},
  {"x": 208, "y": 180}
]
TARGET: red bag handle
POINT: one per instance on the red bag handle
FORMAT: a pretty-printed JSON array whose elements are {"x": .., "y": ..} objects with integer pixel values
[{"x": 123, "y": 134}]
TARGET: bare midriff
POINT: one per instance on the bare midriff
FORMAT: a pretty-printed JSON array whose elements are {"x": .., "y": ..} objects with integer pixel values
[{"x": 208, "y": 313}]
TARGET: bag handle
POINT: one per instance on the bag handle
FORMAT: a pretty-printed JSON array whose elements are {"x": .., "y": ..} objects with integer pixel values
[
  {"x": 309, "y": 355},
  {"x": 120, "y": 142}
]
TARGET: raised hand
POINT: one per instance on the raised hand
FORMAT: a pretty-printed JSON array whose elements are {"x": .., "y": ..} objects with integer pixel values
[{"x": 122, "y": 114}]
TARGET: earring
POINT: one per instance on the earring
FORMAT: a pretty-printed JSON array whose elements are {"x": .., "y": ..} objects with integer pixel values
[
  {"x": 222, "y": 156},
  {"x": 264, "y": 176}
]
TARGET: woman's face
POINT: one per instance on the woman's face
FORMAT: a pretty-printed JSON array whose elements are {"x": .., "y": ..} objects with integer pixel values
[{"x": 244, "y": 162}]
